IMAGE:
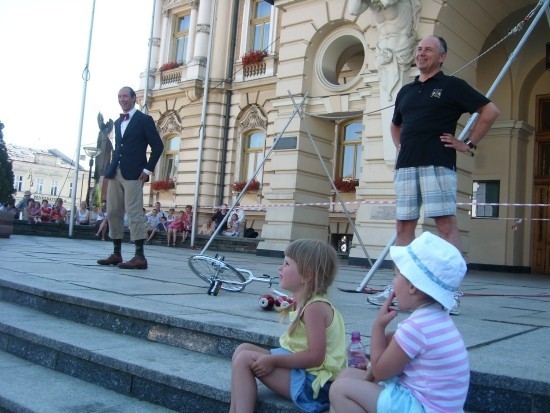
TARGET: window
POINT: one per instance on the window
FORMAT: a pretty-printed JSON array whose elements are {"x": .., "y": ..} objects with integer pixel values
[
  {"x": 181, "y": 39},
  {"x": 350, "y": 151},
  {"x": 53, "y": 188},
  {"x": 485, "y": 192},
  {"x": 18, "y": 184},
  {"x": 171, "y": 158},
  {"x": 253, "y": 153},
  {"x": 260, "y": 25},
  {"x": 70, "y": 189},
  {"x": 39, "y": 185}
]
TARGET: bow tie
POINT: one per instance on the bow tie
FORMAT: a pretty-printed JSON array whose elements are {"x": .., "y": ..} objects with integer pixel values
[{"x": 124, "y": 116}]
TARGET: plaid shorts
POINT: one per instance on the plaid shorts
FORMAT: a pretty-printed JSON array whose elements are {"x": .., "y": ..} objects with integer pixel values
[{"x": 433, "y": 186}]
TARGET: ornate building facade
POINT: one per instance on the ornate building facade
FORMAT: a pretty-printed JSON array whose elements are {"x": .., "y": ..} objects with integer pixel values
[{"x": 220, "y": 106}]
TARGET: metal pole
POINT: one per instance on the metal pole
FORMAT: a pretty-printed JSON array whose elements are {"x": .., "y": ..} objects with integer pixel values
[
  {"x": 89, "y": 183},
  {"x": 85, "y": 77},
  {"x": 203, "y": 123}
]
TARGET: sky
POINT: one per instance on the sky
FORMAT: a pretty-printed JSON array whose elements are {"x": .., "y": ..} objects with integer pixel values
[{"x": 43, "y": 49}]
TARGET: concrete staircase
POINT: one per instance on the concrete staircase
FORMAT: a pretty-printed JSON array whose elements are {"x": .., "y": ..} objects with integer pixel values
[{"x": 62, "y": 353}]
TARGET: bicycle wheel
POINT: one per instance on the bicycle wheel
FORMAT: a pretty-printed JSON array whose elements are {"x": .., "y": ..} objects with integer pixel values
[{"x": 211, "y": 269}]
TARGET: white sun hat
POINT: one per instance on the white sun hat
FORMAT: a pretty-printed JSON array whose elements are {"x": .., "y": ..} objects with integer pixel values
[{"x": 432, "y": 265}]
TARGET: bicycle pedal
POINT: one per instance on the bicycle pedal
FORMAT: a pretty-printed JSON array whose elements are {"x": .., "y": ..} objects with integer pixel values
[
  {"x": 211, "y": 288},
  {"x": 217, "y": 287}
]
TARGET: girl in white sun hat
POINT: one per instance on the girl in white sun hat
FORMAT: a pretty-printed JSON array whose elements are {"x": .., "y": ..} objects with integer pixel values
[{"x": 424, "y": 365}]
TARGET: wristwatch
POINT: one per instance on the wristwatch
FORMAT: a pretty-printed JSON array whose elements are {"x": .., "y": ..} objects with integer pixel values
[{"x": 468, "y": 142}]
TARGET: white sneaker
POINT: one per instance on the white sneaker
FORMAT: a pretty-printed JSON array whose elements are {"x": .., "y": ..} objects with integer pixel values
[
  {"x": 455, "y": 309},
  {"x": 380, "y": 298}
]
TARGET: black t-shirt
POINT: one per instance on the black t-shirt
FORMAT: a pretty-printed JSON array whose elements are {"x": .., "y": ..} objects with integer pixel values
[{"x": 426, "y": 110}]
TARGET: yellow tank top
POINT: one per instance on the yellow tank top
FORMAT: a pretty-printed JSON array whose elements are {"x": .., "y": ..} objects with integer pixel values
[{"x": 335, "y": 357}]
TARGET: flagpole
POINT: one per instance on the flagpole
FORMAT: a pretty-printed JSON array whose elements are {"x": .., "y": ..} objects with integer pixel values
[{"x": 85, "y": 77}]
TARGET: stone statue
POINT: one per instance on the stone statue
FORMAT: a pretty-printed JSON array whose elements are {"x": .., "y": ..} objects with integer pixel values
[
  {"x": 104, "y": 143},
  {"x": 397, "y": 22}
]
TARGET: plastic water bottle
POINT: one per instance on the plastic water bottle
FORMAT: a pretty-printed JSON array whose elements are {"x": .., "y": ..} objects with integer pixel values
[{"x": 356, "y": 354}]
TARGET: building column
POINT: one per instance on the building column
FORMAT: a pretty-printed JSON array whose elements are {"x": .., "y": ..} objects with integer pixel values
[
  {"x": 196, "y": 68},
  {"x": 296, "y": 176},
  {"x": 192, "y": 30}
]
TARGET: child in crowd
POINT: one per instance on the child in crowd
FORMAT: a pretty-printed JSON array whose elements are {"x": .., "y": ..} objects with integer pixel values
[
  {"x": 56, "y": 216},
  {"x": 33, "y": 211},
  {"x": 177, "y": 225},
  {"x": 162, "y": 226},
  {"x": 153, "y": 221},
  {"x": 423, "y": 366},
  {"x": 312, "y": 351},
  {"x": 187, "y": 223},
  {"x": 171, "y": 215},
  {"x": 45, "y": 211},
  {"x": 61, "y": 217},
  {"x": 102, "y": 224},
  {"x": 235, "y": 226}
]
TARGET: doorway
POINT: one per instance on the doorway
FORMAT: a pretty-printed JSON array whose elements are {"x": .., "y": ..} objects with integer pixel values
[{"x": 540, "y": 259}]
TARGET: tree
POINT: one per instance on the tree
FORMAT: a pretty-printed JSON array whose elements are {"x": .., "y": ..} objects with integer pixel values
[{"x": 7, "y": 191}]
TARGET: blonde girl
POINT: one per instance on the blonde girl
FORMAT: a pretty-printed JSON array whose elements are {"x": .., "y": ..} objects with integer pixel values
[{"x": 312, "y": 350}]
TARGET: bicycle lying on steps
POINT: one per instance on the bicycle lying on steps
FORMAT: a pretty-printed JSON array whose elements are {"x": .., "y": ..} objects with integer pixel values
[{"x": 220, "y": 275}]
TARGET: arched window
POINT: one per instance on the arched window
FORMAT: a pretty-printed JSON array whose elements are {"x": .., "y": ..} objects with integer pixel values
[
  {"x": 171, "y": 158},
  {"x": 181, "y": 38},
  {"x": 351, "y": 149},
  {"x": 253, "y": 154},
  {"x": 260, "y": 25}
]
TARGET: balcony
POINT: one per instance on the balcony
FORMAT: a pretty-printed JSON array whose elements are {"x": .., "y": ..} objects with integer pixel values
[
  {"x": 171, "y": 78},
  {"x": 263, "y": 69}
]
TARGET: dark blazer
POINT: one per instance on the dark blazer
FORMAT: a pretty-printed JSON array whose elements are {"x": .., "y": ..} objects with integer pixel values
[{"x": 131, "y": 150}]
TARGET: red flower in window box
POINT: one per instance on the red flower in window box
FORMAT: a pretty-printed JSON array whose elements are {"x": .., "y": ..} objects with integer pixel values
[
  {"x": 346, "y": 184},
  {"x": 253, "y": 56},
  {"x": 170, "y": 65},
  {"x": 239, "y": 186},
  {"x": 164, "y": 185}
]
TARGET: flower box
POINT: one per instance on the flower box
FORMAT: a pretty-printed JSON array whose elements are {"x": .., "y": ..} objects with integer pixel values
[
  {"x": 170, "y": 65},
  {"x": 346, "y": 184},
  {"x": 239, "y": 186},
  {"x": 252, "y": 57},
  {"x": 164, "y": 185}
]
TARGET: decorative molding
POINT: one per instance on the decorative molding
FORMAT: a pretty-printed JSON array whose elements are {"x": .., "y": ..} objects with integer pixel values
[
  {"x": 156, "y": 41},
  {"x": 170, "y": 124},
  {"x": 203, "y": 28},
  {"x": 254, "y": 119},
  {"x": 194, "y": 4},
  {"x": 168, "y": 3}
]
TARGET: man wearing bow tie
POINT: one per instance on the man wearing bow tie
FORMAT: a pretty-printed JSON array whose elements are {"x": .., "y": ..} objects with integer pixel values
[{"x": 127, "y": 173}]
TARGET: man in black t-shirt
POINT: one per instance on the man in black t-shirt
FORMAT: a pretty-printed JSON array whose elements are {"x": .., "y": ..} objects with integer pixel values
[{"x": 423, "y": 128}]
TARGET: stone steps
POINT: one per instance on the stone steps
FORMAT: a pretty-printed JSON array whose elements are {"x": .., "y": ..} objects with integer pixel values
[
  {"x": 170, "y": 366},
  {"x": 28, "y": 387}
]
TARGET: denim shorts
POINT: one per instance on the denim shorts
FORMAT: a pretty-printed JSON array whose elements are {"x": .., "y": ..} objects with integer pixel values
[
  {"x": 432, "y": 186},
  {"x": 301, "y": 391},
  {"x": 397, "y": 399}
]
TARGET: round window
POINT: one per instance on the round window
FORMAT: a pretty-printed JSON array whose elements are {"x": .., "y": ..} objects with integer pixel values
[{"x": 340, "y": 59}]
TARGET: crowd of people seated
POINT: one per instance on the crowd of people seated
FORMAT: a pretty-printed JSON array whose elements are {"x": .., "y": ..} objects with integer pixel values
[{"x": 174, "y": 226}]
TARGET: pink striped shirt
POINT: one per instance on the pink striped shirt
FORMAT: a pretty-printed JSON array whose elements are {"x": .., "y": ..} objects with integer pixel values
[{"x": 438, "y": 374}]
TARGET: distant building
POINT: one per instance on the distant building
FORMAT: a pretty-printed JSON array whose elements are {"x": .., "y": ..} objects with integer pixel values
[{"x": 47, "y": 174}]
